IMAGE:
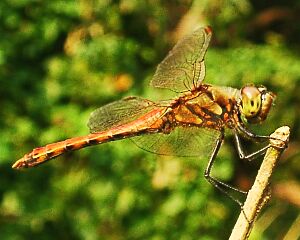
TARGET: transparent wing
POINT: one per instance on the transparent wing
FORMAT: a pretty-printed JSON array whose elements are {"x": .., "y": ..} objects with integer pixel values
[
  {"x": 118, "y": 113},
  {"x": 183, "y": 68},
  {"x": 182, "y": 141}
]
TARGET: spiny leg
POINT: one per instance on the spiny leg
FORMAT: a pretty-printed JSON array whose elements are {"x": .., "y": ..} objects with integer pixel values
[
  {"x": 255, "y": 137},
  {"x": 250, "y": 156},
  {"x": 217, "y": 183}
]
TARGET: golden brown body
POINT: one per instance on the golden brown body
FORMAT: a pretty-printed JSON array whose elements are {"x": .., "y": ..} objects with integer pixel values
[
  {"x": 204, "y": 107},
  {"x": 193, "y": 122}
]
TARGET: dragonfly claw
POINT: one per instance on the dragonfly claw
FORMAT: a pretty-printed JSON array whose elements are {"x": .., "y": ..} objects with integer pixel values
[{"x": 279, "y": 139}]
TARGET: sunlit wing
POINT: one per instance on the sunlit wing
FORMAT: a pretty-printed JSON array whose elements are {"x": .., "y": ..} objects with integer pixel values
[
  {"x": 118, "y": 113},
  {"x": 182, "y": 141},
  {"x": 183, "y": 68}
]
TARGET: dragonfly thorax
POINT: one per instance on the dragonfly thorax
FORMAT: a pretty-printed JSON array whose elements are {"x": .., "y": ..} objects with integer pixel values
[{"x": 255, "y": 103}]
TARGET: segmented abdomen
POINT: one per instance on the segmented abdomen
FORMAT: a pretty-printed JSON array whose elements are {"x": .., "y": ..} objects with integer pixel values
[{"x": 150, "y": 122}]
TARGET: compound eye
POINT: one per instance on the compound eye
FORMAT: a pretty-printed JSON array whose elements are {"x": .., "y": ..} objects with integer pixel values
[{"x": 250, "y": 102}]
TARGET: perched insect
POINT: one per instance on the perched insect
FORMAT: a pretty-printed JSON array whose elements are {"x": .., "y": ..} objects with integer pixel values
[{"x": 192, "y": 124}]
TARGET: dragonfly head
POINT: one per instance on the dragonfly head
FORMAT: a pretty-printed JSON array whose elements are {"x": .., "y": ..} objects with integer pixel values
[{"x": 255, "y": 103}]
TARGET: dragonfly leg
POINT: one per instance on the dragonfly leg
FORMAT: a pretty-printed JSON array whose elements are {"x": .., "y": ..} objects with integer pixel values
[
  {"x": 250, "y": 156},
  {"x": 217, "y": 183},
  {"x": 257, "y": 138}
]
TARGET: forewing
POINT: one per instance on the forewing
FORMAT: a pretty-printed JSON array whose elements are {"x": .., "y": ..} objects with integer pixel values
[
  {"x": 119, "y": 112},
  {"x": 183, "y": 68},
  {"x": 182, "y": 141}
]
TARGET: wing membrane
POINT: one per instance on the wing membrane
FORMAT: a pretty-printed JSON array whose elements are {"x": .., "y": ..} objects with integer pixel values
[
  {"x": 182, "y": 141},
  {"x": 184, "y": 68},
  {"x": 118, "y": 113}
]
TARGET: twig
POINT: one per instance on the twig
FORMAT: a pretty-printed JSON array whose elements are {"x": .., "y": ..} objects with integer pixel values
[{"x": 260, "y": 193}]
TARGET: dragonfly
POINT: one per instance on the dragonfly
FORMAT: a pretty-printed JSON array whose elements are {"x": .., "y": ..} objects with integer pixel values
[{"x": 190, "y": 125}]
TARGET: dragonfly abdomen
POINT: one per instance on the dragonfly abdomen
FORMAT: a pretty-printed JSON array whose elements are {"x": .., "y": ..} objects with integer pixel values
[
  {"x": 151, "y": 122},
  {"x": 43, "y": 154}
]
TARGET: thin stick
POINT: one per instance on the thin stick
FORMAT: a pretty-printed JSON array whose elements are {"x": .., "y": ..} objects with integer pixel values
[{"x": 259, "y": 194}]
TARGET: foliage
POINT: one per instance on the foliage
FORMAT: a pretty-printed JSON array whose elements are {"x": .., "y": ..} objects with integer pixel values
[{"x": 59, "y": 60}]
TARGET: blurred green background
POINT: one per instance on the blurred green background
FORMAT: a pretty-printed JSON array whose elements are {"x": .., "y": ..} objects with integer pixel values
[{"x": 59, "y": 60}]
